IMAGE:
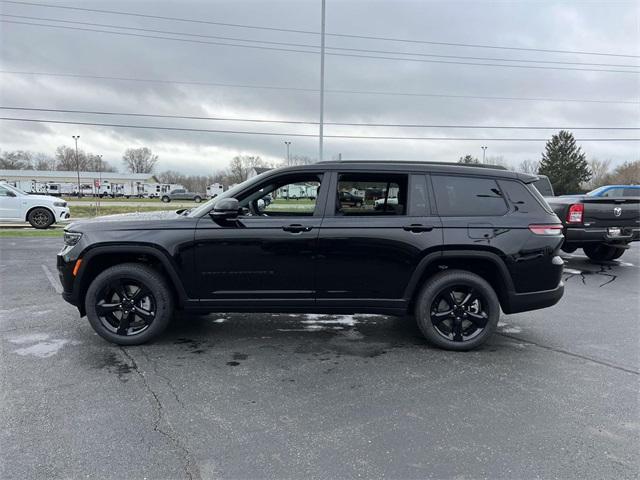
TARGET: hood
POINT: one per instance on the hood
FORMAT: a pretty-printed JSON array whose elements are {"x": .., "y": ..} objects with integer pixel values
[
  {"x": 129, "y": 221},
  {"x": 48, "y": 198}
]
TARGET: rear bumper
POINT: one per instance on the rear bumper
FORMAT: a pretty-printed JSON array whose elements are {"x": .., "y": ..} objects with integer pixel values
[
  {"x": 582, "y": 235},
  {"x": 523, "y": 302}
]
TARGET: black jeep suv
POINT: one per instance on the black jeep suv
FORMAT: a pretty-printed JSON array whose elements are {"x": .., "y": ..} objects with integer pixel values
[{"x": 460, "y": 244}]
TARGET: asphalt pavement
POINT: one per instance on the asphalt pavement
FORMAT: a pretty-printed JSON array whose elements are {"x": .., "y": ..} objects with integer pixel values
[{"x": 554, "y": 394}]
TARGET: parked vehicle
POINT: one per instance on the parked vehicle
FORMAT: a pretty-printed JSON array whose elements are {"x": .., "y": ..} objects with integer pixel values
[
  {"x": 615, "y": 191},
  {"x": 462, "y": 243},
  {"x": 603, "y": 226},
  {"x": 41, "y": 211},
  {"x": 181, "y": 194},
  {"x": 543, "y": 184},
  {"x": 214, "y": 190},
  {"x": 348, "y": 199}
]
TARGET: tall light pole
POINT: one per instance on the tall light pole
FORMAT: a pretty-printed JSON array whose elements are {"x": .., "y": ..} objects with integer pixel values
[
  {"x": 484, "y": 151},
  {"x": 288, "y": 158},
  {"x": 321, "y": 82},
  {"x": 76, "y": 137}
]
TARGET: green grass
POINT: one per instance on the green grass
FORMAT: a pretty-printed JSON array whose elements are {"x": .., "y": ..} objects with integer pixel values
[
  {"x": 90, "y": 211},
  {"x": 10, "y": 232},
  {"x": 110, "y": 200},
  {"x": 302, "y": 201}
]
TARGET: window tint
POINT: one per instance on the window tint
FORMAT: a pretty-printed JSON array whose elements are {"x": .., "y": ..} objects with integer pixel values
[
  {"x": 520, "y": 197},
  {"x": 418, "y": 197},
  {"x": 467, "y": 196},
  {"x": 613, "y": 192},
  {"x": 288, "y": 196},
  {"x": 371, "y": 194},
  {"x": 631, "y": 192}
]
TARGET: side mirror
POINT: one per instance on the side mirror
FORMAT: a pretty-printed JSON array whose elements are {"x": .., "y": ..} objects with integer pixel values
[
  {"x": 226, "y": 208},
  {"x": 10, "y": 193}
]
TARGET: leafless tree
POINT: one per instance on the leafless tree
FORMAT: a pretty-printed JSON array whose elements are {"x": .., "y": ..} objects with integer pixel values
[
  {"x": 241, "y": 166},
  {"x": 16, "y": 160},
  {"x": 600, "y": 173},
  {"x": 139, "y": 160},
  {"x": 529, "y": 166},
  {"x": 626, "y": 174}
]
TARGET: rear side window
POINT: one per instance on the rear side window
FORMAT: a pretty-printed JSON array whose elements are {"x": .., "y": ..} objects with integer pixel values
[
  {"x": 468, "y": 196},
  {"x": 520, "y": 197},
  {"x": 631, "y": 192},
  {"x": 371, "y": 194}
]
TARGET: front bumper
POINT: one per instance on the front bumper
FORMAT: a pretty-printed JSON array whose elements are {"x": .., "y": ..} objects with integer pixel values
[{"x": 62, "y": 213}]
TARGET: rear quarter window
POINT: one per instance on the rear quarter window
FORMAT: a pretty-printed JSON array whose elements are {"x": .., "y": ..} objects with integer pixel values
[
  {"x": 521, "y": 198},
  {"x": 458, "y": 196}
]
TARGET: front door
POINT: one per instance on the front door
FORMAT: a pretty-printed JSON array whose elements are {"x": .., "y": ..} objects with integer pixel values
[
  {"x": 368, "y": 253},
  {"x": 9, "y": 204},
  {"x": 266, "y": 256}
]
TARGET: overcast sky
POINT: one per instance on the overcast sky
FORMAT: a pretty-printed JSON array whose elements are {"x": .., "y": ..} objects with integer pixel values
[{"x": 585, "y": 26}]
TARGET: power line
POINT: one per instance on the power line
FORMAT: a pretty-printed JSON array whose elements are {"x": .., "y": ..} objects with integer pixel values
[
  {"x": 309, "y": 32},
  {"x": 313, "y": 90},
  {"x": 307, "y": 45},
  {"x": 302, "y": 122},
  {"x": 291, "y": 50},
  {"x": 352, "y": 137}
]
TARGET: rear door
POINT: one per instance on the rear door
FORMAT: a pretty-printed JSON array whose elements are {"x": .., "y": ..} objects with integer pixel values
[{"x": 367, "y": 255}]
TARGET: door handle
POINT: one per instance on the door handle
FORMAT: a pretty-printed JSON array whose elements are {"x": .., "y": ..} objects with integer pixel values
[
  {"x": 296, "y": 228},
  {"x": 417, "y": 228}
]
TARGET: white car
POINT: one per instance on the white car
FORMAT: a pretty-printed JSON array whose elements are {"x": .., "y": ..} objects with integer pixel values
[
  {"x": 41, "y": 211},
  {"x": 379, "y": 204}
]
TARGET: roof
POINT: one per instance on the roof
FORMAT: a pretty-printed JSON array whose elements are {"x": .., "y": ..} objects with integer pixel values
[
  {"x": 29, "y": 174},
  {"x": 413, "y": 166}
]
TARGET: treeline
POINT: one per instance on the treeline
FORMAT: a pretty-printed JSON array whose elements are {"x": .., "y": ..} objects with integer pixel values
[{"x": 64, "y": 158}]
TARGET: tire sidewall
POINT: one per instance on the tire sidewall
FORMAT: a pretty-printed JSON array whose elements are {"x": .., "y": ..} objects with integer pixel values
[
  {"x": 166, "y": 199},
  {"x": 451, "y": 278},
  {"x": 148, "y": 277}
]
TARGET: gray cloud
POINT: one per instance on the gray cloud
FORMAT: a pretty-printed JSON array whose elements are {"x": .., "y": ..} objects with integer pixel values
[{"x": 584, "y": 26}]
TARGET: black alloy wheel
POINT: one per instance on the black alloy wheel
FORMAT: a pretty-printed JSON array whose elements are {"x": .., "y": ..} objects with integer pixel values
[
  {"x": 457, "y": 310},
  {"x": 458, "y": 313},
  {"x": 126, "y": 307},
  {"x": 40, "y": 218}
]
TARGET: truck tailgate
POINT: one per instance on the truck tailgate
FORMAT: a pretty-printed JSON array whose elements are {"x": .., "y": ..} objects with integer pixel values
[{"x": 612, "y": 212}]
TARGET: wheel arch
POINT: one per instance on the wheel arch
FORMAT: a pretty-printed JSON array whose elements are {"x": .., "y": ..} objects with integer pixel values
[
  {"x": 97, "y": 259},
  {"x": 31, "y": 209},
  {"x": 487, "y": 264}
]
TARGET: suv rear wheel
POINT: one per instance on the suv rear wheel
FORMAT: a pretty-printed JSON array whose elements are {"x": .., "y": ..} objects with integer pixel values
[
  {"x": 457, "y": 310},
  {"x": 40, "y": 217},
  {"x": 129, "y": 304}
]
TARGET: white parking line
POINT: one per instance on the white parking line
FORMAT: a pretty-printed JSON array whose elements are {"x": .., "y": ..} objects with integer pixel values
[{"x": 52, "y": 280}]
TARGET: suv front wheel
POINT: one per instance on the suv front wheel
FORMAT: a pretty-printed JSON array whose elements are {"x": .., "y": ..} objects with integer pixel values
[
  {"x": 457, "y": 310},
  {"x": 129, "y": 304}
]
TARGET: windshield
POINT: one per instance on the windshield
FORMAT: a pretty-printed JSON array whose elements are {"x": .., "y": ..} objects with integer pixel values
[
  {"x": 596, "y": 192},
  {"x": 207, "y": 206},
  {"x": 15, "y": 189}
]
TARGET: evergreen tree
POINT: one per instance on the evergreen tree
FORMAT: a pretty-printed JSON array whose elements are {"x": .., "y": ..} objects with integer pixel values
[
  {"x": 565, "y": 164},
  {"x": 468, "y": 159}
]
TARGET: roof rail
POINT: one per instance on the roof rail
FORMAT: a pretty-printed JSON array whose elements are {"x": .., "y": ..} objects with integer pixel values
[{"x": 417, "y": 162}]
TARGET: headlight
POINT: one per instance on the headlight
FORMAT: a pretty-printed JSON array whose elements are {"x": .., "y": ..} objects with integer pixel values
[
  {"x": 72, "y": 238},
  {"x": 59, "y": 204}
]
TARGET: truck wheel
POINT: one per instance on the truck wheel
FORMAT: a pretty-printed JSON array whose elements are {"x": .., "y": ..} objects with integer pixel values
[
  {"x": 601, "y": 252},
  {"x": 129, "y": 304},
  {"x": 166, "y": 199},
  {"x": 197, "y": 199},
  {"x": 619, "y": 252},
  {"x": 568, "y": 249},
  {"x": 40, "y": 217},
  {"x": 457, "y": 310}
]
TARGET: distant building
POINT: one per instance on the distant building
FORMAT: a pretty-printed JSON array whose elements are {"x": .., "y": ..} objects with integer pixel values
[{"x": 257, "y": 171}]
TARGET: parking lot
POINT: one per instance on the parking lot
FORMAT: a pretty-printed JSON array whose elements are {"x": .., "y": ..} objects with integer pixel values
[{"x": 553, "y": 395}]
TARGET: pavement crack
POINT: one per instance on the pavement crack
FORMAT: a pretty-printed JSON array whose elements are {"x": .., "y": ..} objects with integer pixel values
[
  {"x": 154, "y": 366},
  {"x": 160, "y": 415},
  {"x": 605, "y": 271},
  {"x": 572, "y": 354}
]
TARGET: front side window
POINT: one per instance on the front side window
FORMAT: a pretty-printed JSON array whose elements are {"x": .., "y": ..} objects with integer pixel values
[
  {"x": 289, "y": 196},
  {"x": 458, "y": 196},
  {"x": 4, "y": 192},
  {"x": 371, "y": 194}
]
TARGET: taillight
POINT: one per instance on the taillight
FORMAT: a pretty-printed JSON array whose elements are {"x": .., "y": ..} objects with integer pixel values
[
  {"x": 546, "y": 229},
  {"x": 575, "y": 213}
]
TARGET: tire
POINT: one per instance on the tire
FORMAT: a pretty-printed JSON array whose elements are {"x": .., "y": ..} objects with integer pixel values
[
  {"x": 104, "y": 300},
  {"x": 476, "y": 303},
  {"x": 619, "y": 252},
  {"x": 166, "y": 199},
  {"x": 601, "y": 252},
  {"x": 358, "y": 204},
  {"x": 567, "y": 249},
  {"x": 41, "y": 217},
  {"x": 197, "y": 199}
]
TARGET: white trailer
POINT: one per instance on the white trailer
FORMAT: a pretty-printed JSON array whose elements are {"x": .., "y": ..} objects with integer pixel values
[
  {"x": 158, "y": 189},
  {"x": 214, "y": 190}
]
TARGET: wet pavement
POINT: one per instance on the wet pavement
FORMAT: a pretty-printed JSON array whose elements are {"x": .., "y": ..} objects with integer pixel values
[{"x": 553, "y": 395}]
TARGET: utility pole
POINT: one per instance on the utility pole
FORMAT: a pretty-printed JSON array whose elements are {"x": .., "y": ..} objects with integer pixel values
[
  {"x": 75, "y": 138},
  {"x": 484, "y": 151},
  {"x": 322, "y": 82},
  {"x": 288, "y": 157}
]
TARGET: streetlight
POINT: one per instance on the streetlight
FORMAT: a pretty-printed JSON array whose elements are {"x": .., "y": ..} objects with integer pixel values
[
  {"x": 484, "y": 151},
  {"x": 288, "y": 158},
  {"x": 76, "y": 137}
]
